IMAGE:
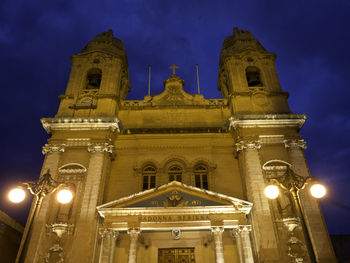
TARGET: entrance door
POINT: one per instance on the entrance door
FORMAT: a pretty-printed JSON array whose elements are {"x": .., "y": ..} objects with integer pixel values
[{"x": 176, "y": 255}]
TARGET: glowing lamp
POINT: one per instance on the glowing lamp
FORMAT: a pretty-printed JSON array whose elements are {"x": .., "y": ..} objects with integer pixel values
[
  {"x": 271, "y": 191},
  {"x": 17, "y": 195},
  {"x": 64, "y": 196},
  {"x": 318, "y": 190}
]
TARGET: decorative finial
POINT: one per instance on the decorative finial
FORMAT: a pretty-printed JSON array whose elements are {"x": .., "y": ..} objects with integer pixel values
[{"x": 173, "y": 67}]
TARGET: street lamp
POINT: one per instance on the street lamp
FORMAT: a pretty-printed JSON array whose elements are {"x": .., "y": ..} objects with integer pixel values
[
  {"x": 272, "y": 191},
  {"x": 318, "y": 190},
  {"x": 16, "y": 195},
  {"x": 44, "y": 186},
  {"x": 293, "y": 183},
  {"x": 64, "y": 196}
]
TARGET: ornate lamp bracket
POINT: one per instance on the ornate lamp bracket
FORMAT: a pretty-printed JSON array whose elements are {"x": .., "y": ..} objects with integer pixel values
[{"x": 290, "y": 180}]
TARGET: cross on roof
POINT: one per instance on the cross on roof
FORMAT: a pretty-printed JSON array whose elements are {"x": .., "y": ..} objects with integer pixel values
[{"x": 173, "y": 67}]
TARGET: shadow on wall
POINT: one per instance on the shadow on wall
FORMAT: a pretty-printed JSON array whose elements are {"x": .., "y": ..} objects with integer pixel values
[{"x": 10, "y": 237}]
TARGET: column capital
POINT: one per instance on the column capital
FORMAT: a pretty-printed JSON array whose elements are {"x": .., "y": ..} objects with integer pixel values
[
  {"x": 108, "y": 232},
  {"x": 50, "y": 148},
  {"x": 101, "y": 147},
  {"x": 295, "y": 143},
  {"x": 217, "y": 229},
  {"x": 134, "y": 232},
  {"x": 243, "y": 228},
  {"x": 248, "y": 144}
]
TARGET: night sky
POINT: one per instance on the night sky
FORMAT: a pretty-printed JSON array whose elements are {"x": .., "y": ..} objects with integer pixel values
[{"x": 311, "y": 40}]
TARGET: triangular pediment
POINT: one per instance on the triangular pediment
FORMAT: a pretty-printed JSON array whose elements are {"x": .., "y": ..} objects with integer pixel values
[{"x": 176, "y": 194}]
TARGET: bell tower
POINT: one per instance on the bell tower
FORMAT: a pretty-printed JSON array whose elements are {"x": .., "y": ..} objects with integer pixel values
[
  {"x": 248, "y": 76},
  {"x": 99, "y": 79},
  {"x": 183, "y": 179}
]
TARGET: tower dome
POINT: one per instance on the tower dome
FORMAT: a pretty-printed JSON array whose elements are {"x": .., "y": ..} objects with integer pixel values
[
  {"x": 105, "y": 42},
  {"x": 241, "y": 40}
]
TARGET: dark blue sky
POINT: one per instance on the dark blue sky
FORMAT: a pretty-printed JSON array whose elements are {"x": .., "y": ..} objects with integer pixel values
[{"x": 311, "y": 40}]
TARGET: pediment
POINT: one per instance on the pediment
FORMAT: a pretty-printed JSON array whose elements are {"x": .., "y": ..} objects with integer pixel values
[
  {"x": 174, "y": 95},
  {"x": 176, "y": 194}
]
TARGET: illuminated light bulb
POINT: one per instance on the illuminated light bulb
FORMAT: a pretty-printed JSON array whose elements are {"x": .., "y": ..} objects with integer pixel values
[
  {"x": 271, "y": 191},
  {"x": 16, "y": 195},
  {"x": 318, "y": 190},
  {"x": 64, "y": 196}
]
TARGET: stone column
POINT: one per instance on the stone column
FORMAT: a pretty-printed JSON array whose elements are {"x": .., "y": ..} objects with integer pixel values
[
  {"x": 219, "y": 248},
  {"x": 262, "y": 220},
  {"x": 108, "y": 238},
  {"x": 244, "y": 245},
  {"x": 312, "y": 213},
  {"x": 134, "y": 235},
  {"x": 52, "y": 158},
  {"x": 236, "y": 233},
  {"x": 83, "y": 246}
]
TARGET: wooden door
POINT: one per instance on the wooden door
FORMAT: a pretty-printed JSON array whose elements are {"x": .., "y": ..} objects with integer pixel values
[{"x": 176, "y": 255}]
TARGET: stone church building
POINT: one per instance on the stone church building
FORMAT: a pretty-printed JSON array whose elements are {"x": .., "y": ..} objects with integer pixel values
[{"x": 176, "y": 177}]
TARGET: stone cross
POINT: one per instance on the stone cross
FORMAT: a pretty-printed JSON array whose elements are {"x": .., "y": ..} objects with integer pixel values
[{"x": 173, "y": 67}]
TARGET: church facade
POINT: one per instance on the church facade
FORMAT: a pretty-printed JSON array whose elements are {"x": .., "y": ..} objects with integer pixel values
[{"x": 176, "y": 177}]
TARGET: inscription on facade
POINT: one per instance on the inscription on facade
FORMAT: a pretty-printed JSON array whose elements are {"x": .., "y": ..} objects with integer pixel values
[
  {"x": 192, "y": 203},
  {"x": 173, "y": 218}
]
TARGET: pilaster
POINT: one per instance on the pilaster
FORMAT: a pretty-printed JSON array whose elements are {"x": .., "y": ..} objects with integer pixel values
[
  {"x": 52, "y": 154},
  {"x": 313, "y": 216},
  {"x": 262, "y": 221},
  {"x": 83, "y": 246}
]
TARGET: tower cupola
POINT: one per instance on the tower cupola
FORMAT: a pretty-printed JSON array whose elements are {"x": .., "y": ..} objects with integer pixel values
[
  {"x": 107, "y": 43},
  {"x": 99, "y": 79},
  {"x": 248, "y": 76}
]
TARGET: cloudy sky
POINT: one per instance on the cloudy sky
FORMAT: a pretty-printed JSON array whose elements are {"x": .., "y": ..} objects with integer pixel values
[{"x": 311, "y": 40}]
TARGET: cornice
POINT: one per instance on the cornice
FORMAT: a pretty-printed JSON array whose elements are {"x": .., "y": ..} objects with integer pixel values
[
  {"x": 175, "y": 130},
  {"x": 268, "y": 93},
  {"x": 98, "y": 95},
  {"x": 266, "y": 121},
  {"x": 81, "y": 124}
]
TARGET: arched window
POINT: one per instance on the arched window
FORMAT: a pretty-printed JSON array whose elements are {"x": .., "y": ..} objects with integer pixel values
[
  {"x": 149, "y": 177},
  {"x": 253, "y": 77},
  {"x": 201, "y": 176},
  {"x": 175, "y": 173},
  {"x": 94, "y": 77}
]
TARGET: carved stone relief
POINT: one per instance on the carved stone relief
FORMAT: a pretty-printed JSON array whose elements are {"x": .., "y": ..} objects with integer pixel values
[{"x": 55, "y": 254}]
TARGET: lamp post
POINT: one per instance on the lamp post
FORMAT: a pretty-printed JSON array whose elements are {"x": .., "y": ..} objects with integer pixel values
[
  {"x": 40, "y": 188},
  {"x": 293, "y": 183}
]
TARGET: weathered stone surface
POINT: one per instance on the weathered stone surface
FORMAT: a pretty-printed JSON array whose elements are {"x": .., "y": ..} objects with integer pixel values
[{"x": 112, "y": 150}]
